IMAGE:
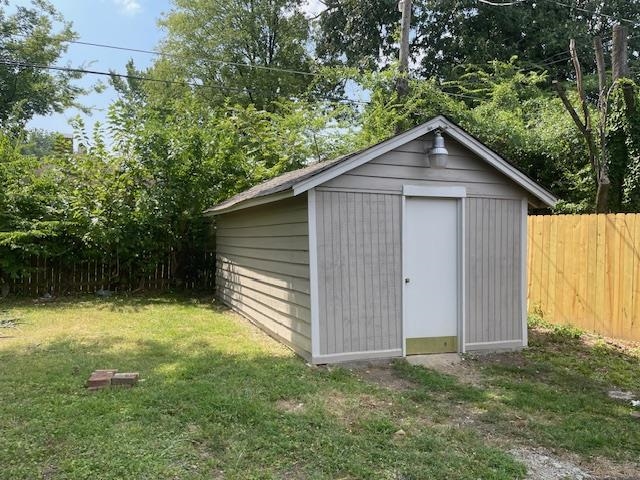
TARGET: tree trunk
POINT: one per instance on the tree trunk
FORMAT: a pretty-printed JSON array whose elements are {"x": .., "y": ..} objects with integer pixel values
[{"x": 602, "y": 195}]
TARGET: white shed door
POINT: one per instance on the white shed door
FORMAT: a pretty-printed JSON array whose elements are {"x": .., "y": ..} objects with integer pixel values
[{"x": 431, "y": 275}]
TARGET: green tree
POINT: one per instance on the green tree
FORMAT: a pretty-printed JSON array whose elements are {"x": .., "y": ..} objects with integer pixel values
[
  {"x": 449, "y": 34},
  {"x": 41, "y": 143},
  {"x": 507, "y": 108},
  {"x": 31, "y": 37},
  {"x": 231, "y": 47}
]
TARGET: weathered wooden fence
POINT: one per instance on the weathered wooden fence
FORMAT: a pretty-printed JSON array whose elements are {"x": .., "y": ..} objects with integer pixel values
[
  {"x": 62, "y": 276},
  {"x": 584, "y": 270}
]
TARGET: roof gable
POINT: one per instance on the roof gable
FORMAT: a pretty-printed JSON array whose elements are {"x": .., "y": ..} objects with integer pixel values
[{"x": 299, "y": 181}]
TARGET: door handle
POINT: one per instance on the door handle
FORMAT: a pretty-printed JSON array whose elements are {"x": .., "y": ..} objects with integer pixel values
[{"x": 407, "y": 280}]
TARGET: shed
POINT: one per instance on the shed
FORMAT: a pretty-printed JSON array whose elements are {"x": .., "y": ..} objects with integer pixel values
[{"x": 414, "y": 245}]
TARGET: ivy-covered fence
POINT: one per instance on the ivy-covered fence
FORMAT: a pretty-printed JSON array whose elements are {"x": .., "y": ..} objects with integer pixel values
[{"x": 60, "y": 276}]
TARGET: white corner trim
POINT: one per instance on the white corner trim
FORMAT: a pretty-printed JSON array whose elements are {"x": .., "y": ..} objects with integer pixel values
[
  {"x": 351, "y": 356},
  {"x": 313, "y": 274},
  {"x": 462, "y": 301},
  {"x": 523, "y": 272},
  {"x": 403, "y": 255},
  {"x": 442, "y": 192},
  {"x": 252, "y": 202}
]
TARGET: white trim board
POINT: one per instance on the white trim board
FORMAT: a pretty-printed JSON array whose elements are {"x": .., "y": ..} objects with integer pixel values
[
  {"x": 351, "y": 356},
  {"x": 313, "y": 274},
  {"x": 441, "y": 192},
  {"x": 523, "y": 272},
  {"x": 452, "y": 130}
]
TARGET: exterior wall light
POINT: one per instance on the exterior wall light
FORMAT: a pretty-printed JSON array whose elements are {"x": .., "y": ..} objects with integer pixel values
[{"x": 438, "y": 155}]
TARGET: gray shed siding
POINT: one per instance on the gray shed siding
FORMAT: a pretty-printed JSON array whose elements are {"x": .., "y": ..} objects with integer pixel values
[
  {"x": 263, "y": 268},
  {"x": 406, "y": 165},
  {"x": 359, "y": 272},
  {"x": 359, "y": 230},
  {"x": 493, "y": 270}
]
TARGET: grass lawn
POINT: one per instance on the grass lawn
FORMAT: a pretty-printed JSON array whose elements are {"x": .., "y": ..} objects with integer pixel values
[{"x": 222, "y": 400}]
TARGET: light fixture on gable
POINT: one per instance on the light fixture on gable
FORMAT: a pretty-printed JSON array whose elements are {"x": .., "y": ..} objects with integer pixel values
[{"x": 438, "y": 155}]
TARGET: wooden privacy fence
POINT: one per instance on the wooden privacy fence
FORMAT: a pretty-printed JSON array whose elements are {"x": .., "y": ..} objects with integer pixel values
[
  {"x": 61, "y": 276},
  {"x": 584, "y": 270}
]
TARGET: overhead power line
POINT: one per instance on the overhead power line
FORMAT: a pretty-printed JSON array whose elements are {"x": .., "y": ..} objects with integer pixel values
[
  {"x": 563, "y": 4},
  {"x": 16, "y": 63},
  {"x": 172, "y": 55},
  {"x": 593, "y": 12},
  {"x": 501, "y": 4}
]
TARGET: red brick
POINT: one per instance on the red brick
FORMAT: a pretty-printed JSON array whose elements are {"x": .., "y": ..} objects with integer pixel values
[{"x": 100, "y": 378}]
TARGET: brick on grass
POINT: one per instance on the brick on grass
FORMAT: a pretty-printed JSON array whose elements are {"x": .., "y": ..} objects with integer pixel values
[
  {"x": 100, "y": 379},
  {"x": 125, "y": 379}
]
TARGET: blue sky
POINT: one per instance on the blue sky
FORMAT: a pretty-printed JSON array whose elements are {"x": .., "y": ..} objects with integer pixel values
[
  {"x": 127, "y": 23},
  {"x": 124, "y": 23}
]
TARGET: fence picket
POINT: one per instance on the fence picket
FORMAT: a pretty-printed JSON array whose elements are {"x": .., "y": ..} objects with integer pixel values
[
  {"x": 60, "y": 276},
  {"x": 584, "y": 270}
]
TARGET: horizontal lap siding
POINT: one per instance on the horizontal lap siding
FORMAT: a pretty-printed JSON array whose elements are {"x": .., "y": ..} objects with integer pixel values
[
  {"x": 262, "y": 268},
  {"x": 406, "y": 165},
  {"x": 493, "y": 270},
  {"x": 359, "y": 271}
]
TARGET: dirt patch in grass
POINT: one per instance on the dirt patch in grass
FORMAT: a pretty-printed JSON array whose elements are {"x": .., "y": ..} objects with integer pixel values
[
  {"x": 465, "y": 371},
  {"x": 384, "y": 376},
  {"x": 349, "y": 408},
  {"x": 290, "y": 406},
  {"x": 604, "y": 468}
]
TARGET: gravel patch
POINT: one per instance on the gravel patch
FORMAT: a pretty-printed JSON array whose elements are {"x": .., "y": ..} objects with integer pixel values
[{"x": 541, "y": 465}]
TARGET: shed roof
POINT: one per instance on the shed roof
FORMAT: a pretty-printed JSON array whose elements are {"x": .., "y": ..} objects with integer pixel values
[{"x": 299, "y": 181}]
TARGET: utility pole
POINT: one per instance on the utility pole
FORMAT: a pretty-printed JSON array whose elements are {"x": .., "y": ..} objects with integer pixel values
[{"x": 402, "y": 85}]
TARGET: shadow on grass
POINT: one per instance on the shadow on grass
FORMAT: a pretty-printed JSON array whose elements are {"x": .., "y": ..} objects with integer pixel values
[
  {"x": 120, "y": 302},
  {"x": 202, "y": 412}
]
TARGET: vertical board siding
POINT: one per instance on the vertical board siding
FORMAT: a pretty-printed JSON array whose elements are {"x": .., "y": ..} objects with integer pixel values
[
  {"x": 584, "y": 270},
  {"x": 262, "y": 270},
  {"x": 359, "y": 267},
  {"x": 493, "y": 280}
]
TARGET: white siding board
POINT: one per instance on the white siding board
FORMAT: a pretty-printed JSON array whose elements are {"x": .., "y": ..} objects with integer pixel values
[{"x": 263, "y": 268}]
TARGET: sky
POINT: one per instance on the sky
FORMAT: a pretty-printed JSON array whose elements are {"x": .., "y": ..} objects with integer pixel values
[
  {"x": 126, "y": 23},
  {"x": 123, "y": 23}
]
